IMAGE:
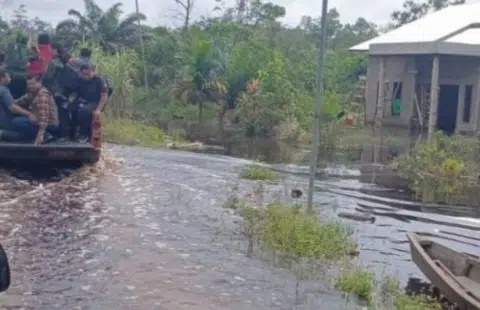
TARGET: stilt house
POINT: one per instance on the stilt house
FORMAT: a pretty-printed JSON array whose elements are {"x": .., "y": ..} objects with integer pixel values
[{"x": 427, "y": 73}]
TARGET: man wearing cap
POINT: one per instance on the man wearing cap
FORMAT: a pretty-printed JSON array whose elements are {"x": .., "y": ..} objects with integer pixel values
[{"x": 92, "y": 96}]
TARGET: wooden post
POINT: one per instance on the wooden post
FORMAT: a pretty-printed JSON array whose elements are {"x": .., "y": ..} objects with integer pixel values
[
  {"x": 434, "y": 90},
  {"x": 378, "y": 116},
  {"x": 381, "y": 97},
  {"x": 475, "y": 101},
  {"x": 316, "y": 120}
]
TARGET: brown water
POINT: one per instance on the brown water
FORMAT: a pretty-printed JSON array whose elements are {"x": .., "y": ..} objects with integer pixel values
[{"x": 150, "y": 233}]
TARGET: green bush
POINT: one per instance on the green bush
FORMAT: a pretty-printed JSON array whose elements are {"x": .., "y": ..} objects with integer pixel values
[
  {"x": 358, "y": 282},
  {"x": 287, "y": 229},
  {"x": 442, "y": 170}
]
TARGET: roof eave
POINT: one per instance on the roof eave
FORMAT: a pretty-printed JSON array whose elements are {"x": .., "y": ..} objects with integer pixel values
[{"x": 424, "y": 48}]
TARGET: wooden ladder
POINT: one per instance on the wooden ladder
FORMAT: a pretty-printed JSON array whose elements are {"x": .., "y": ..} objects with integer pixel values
[{"x": 359, "y": 97}]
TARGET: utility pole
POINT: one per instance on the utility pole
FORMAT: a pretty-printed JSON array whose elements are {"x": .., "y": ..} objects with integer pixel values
[
  {"x": 316, "y": 120},
  {"x": 142, "y": 46}
]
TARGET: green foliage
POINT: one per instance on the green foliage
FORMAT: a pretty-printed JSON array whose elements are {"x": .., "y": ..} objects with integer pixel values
[
  {"x": 210, "y": 62},
  {"x": 215, "y": 61},
  {"x": 442, "y": 170},
  {"x": 234, "y": 202},
  {"x": 131, "y": 133},
  {"x": 288, "y": 230},
  {"x": 358, "y": 282},
  {"x": 391, "y": 290},
  {"x": 362, "y": 283},
  {"x": 273, "y": 102},
  {"x": 104, "y": 27},
  {"x": 416, "y": 302},
  {"x": 255, "y": 172}
]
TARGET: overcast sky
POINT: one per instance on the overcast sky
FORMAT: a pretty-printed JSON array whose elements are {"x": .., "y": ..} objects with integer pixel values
[{"x": 161, "y": 11}]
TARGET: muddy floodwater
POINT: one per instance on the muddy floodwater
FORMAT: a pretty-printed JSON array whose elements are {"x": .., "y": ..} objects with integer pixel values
[{"x": 149, "y": 232}]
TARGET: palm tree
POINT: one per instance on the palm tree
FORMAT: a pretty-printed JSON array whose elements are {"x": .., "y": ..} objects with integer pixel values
[
  {"x": 106, "y": 28},
  {"x": 203, "y": 82}
]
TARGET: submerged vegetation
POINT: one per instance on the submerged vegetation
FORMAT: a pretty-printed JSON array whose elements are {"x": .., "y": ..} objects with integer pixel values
[
  {"x": 255, "y": 172},
  {"x": 302, "y": 241},
  {"x": 444, "y": 170},
  {"x": 288, "y": 230},
  {"x": 358, "y": 282}
]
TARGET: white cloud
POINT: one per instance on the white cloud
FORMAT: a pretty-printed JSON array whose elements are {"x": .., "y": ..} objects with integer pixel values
[{"x": 161, "y": 12}]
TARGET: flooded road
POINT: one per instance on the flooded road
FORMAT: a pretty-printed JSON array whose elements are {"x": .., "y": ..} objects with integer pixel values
[{"x": 151, "y": 233}]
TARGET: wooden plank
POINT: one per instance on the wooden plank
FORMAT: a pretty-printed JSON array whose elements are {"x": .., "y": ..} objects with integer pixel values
[{"x": 470, "y": 285}]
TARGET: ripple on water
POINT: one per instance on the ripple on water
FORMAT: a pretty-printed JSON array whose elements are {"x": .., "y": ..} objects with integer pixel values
[
  {"x": 151, "y": 234},
  {"x": 50, "y": 231}
]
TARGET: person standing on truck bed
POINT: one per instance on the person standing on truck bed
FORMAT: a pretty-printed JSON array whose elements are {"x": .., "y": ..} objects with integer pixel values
[
  {"x": 92, "y": 96},
  {"x": 61, "y": 79},
  {"x": 39, "y": 114},
  {"x": 83, "y": 59}
]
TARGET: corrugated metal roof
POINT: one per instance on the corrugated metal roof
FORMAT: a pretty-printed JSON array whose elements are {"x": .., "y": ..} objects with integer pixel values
[
  {"x": 432, "y": 27},
  {"x": 469, "y": 36}
]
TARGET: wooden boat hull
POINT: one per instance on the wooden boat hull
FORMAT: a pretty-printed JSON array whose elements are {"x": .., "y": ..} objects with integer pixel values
[{"x": 455, "y": 274}]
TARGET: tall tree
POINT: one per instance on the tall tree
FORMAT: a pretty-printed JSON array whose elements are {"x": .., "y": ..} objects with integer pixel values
[
  {"x": 413, "y": 10},
  {"x": 106, "y": 28},
  {"x": 202, "y": 81},
  {"x": 20, "y": 19},
  {"x": 186, "y": 13}
]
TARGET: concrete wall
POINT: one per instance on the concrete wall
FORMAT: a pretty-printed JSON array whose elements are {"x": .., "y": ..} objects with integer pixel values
[
  {"x": 397, "y": 68},
  {"x": 456, "y": 70}
]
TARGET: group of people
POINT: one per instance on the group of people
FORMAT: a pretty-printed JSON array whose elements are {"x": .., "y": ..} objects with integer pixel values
[{"x": 62, "y": 95}]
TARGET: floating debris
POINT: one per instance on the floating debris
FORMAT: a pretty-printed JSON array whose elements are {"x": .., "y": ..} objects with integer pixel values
[{"x": 361, "y": 217}]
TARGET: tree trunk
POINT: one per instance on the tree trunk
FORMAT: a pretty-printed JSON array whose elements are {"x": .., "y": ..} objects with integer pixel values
[{"x": 200, "y": 112}]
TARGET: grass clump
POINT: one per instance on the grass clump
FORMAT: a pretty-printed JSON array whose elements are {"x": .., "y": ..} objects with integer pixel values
[
  {"x": 416, "y": 302},
  {"x": 255, "y": 172},
  {"x": 289, "y": 230},
  {"x": 234, "y": 201},
  {"x": 359, "y": 282},
  {"x": 393, "y": 295},
  {"x": 123, "y": 131}
]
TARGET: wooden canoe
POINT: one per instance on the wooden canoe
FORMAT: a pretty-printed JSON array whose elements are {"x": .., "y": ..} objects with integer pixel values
[{"x": 455, "y": 274}]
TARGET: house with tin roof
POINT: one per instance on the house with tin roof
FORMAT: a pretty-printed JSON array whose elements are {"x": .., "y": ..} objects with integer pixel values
[{"x": 426, "y": 73}]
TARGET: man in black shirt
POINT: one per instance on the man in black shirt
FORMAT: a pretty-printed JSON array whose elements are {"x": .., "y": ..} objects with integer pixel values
[
  {"x": 6, "y": 117},
  {"x": 92, "y": 96},
  {"x": 6, "y": 100}
]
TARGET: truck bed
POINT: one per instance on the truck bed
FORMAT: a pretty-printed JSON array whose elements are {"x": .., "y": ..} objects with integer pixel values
[
  {"x": 54, "y": 151},
  {"x": 49, "y": 146}
]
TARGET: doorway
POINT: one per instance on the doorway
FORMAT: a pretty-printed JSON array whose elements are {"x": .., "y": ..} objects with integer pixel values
[{"x": 447, "y": 108}]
